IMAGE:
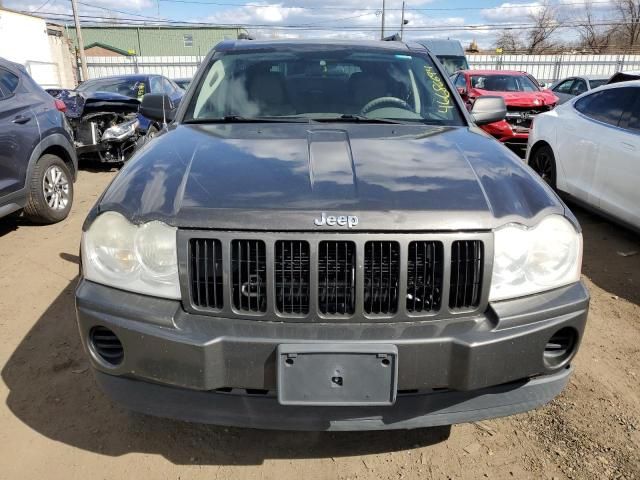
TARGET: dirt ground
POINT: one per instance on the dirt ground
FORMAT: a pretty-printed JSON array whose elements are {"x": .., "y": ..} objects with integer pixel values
[{"x": 55, "y": 424}]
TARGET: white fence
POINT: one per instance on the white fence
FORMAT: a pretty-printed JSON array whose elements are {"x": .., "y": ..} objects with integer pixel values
[
  {"x": 172, "y": 67},
  {"x": 543, "y": 67},
  {"x": 554, "y": 67}
]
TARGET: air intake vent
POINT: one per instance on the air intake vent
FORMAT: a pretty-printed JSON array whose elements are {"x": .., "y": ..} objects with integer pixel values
[
  {"x": 381, "y": 277},
  {"x": 336, "y": 277},
  {"x": 292, "y": 272},
  {"x": 424, "y": 276},
  {"x": 249, "y": 275},
  {"x": 467, "y": 259},
  {"x": 106, "y": 345},
  {"x": 206, "y": 273}
]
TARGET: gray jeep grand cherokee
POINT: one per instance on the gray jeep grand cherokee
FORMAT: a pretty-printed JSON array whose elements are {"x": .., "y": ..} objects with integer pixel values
[{"x": 323, "y": 239}]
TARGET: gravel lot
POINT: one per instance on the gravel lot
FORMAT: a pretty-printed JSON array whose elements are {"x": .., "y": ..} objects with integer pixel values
[{"x": 57, "y": 425}]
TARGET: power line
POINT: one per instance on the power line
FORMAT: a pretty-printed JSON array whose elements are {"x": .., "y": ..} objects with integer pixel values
[
  {"x": 476, "y": 27},
  {"x": 429, "y": 9}
]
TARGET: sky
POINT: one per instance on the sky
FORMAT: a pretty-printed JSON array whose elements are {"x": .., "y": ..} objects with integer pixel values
[{"x": 464, "y": 20}]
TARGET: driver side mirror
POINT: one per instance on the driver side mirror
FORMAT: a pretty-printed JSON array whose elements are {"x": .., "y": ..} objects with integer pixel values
[
  {"x": 462, "y": 91},
  {"x": 158, "y": 107},
  {"x": 488, "y": 109}
]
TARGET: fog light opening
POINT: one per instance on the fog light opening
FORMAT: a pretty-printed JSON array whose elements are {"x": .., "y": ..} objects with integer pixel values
[
  {"x": 106, "y": 346},
  {"x": 560, "y": 347}
]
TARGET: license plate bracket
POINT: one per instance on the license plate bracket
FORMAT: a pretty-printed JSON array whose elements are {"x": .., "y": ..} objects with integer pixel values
[{"x": 346, "y": 374}]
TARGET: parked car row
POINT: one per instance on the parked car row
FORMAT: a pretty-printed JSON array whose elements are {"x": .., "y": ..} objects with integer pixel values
[{"x": 44, "y": 133}]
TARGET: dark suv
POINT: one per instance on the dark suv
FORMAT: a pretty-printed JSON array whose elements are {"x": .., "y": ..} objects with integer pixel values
[
  {"x": 38, "y": 163},
  {"x": 324, "y": 239}
]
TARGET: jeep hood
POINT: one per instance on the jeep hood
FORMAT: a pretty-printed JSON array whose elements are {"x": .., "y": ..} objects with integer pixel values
[
  {"x": 79, "y": 103},
  {"x": 283, "y": 176},
  {"x": 521, "y": 99}
]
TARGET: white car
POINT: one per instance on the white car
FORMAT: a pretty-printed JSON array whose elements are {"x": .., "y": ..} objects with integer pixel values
[{"x": 589, "y": 149}]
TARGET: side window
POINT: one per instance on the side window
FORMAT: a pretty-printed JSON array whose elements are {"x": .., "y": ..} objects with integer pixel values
[
  {"x": 606, "y": 106},
  {"x": 461, "y": 82},
  {"x": 155, "y": 83},
  {"x": 564, "y": 87},
  {"x": 167, "y": 86},
  {"x": 8, "y": 83},
  {"x": 578, "y": 87},
  {"x": 634, "y": 120}
]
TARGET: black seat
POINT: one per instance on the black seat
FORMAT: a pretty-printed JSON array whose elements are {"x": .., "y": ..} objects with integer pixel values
[
  {"x": 364, "y": 87},
  {"x": 267, "y": 90}
]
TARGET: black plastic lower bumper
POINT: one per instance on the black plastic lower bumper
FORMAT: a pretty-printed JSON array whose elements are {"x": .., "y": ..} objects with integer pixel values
[
  {"x": 262, "y": 411},
  {"x": 475, "y": 360}
]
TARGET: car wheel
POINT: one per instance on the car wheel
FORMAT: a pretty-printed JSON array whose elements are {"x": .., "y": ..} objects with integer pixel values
[
  {"x": 543, "y": 163},
  {"x": 50, "y": 191}
]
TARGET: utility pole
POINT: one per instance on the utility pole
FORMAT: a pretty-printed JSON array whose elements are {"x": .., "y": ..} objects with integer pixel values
[
  {"x": 83, "y": 59},
  {"x": 382, "y": 24},
  {"x": 402, "y": 23}
]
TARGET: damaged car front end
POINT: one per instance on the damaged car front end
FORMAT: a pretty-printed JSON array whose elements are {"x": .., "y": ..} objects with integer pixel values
[{"x": 105, "y": 125}]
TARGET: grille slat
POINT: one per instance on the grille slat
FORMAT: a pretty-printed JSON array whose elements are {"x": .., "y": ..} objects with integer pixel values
[
  {"x": 467, "y": 260},
  {"x": 292, "y": 276},
  {"x": 424, "y": 276},
  {"x": 249, "y": 275},
  {"x": 336, "y": 277},
  {"x": 382, "y": 277},
  {"x": 206, "y": 273}
]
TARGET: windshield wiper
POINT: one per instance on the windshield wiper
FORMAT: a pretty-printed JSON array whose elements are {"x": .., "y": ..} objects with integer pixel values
[
  {"x": 355, "y": 118},
  {"x": 241, "y": 119}
]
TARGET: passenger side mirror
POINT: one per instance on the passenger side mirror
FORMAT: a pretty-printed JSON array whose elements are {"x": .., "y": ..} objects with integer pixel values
[
  {"x": 158, "y": 107},
  {"x": 488, "y": 109},
  {"x": 462, "y": 91}
]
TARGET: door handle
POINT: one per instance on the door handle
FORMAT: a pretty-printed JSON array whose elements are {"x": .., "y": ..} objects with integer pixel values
[
  {"x": 21, "y": 119},
  {"x": 628, "y": 146}
]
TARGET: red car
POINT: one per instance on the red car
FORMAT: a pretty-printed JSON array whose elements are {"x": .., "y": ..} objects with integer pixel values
[{"x": 524, "y": 99}]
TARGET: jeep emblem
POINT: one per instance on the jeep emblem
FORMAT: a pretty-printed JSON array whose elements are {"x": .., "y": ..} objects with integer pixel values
[{"x": 341, "y": 220}]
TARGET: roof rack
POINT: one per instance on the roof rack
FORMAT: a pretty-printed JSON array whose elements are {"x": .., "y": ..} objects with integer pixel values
[{"x": 392, "y": 38}]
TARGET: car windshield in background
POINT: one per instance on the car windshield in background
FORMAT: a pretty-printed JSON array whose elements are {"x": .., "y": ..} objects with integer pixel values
[
  {"x": 504, "y": 83},
  {"x": 598, "y": 83},
  {"x": 131, "y": 88},
  {"x": 312, "y": 84},
  {"x": 453, "y": 63}
]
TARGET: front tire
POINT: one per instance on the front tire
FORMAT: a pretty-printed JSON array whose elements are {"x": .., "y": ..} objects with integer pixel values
[
  {"x": 543, "y": 162},
  {"x": 50, "y": 191}
]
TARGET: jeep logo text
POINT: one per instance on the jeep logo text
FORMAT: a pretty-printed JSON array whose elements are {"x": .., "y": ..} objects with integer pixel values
[{"x": 342, "y": 220}]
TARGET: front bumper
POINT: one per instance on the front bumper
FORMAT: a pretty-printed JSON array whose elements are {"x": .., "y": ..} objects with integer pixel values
[{"x": 449, "y": 371}]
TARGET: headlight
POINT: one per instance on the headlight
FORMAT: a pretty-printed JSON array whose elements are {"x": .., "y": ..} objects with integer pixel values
[
  {"x": 120, "y": 132},
  {"x": 533, "y": 260},
  {"x": 141, "y": 258}
]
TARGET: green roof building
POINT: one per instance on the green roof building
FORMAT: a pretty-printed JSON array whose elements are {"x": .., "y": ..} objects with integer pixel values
[{"x": 152, "y": 41}]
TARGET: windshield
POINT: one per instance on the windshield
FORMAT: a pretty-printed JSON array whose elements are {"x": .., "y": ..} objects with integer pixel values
[
  {"x": 321, "y": 84},
  {"x": 132, "y": 88},
  {"x": 598, "y": 83},
  {"x": 453, "y": 63},
  {"x": 504, "y": 83}
]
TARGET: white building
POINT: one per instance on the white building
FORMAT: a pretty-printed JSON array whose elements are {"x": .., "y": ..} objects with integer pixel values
[{"x": 41, "y": 47}]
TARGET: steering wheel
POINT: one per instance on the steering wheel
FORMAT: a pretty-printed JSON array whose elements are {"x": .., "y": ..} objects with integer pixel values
[{"x": 387, "y": 101}]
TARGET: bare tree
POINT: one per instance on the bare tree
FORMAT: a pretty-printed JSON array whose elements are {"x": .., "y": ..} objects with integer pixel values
[
  {"x": 509, "y": 41},
  {"x": 629, "y": 16},
  {"x": 593, "y": 34},
  {"x": 545, "y": 21}
]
